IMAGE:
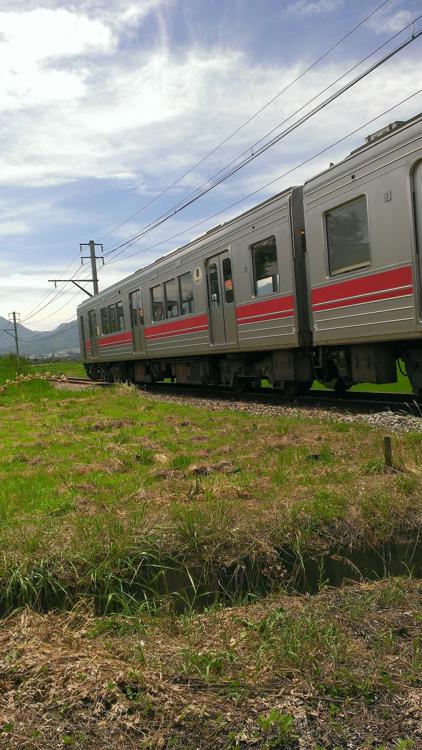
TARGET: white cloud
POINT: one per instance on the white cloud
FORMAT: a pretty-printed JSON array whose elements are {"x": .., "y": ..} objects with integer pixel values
[
  {"x": 312, "y": 7},
  {"x": 21, "y": 217},
  {"x": 140, "y": 116},
  {"x": 31, "y": 46},
  {"x": 391, "y": 22}
]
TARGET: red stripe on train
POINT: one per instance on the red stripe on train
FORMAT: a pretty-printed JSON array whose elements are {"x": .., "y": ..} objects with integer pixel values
[
  {"x": 376, "y": 286},
  {"x": 178, "y": 326},
  {"x": 263, "y": 318},
  {"x": 116, "y": 338},
  {"x": 379, "y": 296},
  {"x": 276, "y": 307}
]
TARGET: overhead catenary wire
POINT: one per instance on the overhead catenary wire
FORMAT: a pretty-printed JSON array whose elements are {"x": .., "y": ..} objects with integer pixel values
[
  {"x": 67, "y": 302},
  {"x": 270, "y": 182},
  {"x": 43, "y": 336},
  {"x": 241, "y": 200},
  {"x": 50, "y": 297},
  {"x": 255, "y": 154},
  {"x": 54, "y": 294},
  {"x": 35, "y": 306},
  {"x": 57, "y": 294},
  {"x": 249, "y": 119},
  {"x": 225, "y": 175}
]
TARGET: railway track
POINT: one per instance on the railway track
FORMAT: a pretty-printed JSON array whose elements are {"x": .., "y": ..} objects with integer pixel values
[
  {"x": 80, "y": 381},
  {"x": 351, "y": 401}
]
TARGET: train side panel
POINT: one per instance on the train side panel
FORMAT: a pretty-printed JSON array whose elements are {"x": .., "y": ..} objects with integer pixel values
[
  {"x": 231, "y": 311},
  {"x": 362, "y": 254}
]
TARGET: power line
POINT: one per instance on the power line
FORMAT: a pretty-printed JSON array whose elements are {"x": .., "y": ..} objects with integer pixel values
[
  {"x": 68, "y": 301},
  {"x": 241, "y": 200},
  {"x": 270, "y": 182},
  {"x": 35, "y": 305},
  {"x": 249, "y": 119},
  {"x": 44, "y": 337},
  {"x": 36, "y": 309},
  {"x": 254, "y": 155},
  {"x": 56, "y": 293}
]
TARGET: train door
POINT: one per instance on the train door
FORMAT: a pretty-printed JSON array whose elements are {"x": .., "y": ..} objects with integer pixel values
[
  {"x": 137, "y": 321},
  {"x": 221, "y": 300},
  {"x": 417, "y": 182},
  {"x": 82, "y": 335},
  {"x": 93, "y": 332}
]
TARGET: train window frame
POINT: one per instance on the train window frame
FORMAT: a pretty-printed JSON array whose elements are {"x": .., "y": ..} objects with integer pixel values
[
  {"x": 227, "y": 281},
  {"x": 215, "y": 297},
  {"x": 93, "y": 324},
  {"x": 105, "y": 319},
  {"x": 112, "y": 316},
  {"x": 175, "y": 302},
  {"x": 120, "y": 315},
  {"x": 189, "y": 300},
  {"x": 136, "y": 310},
  {"x": 353, "y": 267},
  {"x": 253, "y": 249},
  {"x": 153, "y": 302}
]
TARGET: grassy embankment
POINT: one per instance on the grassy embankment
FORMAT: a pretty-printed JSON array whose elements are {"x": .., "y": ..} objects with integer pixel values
[
  {"x": 114, "y": 494},
  {"x": 112, "y": 500}
]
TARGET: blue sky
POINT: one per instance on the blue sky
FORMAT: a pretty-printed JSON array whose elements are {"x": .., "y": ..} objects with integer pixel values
[{"x": 104, "y": 103}]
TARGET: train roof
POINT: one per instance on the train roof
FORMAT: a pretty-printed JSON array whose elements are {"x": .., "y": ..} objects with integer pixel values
[
  {"x": 192, "y": 243},
  {"x": 378, "y": 138}
]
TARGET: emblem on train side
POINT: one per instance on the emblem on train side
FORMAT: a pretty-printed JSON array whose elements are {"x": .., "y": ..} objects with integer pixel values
[{"x": 197, "y": 275}]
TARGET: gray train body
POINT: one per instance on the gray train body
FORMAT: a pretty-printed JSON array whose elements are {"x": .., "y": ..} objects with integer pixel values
[{"x": 321, "y": 282}]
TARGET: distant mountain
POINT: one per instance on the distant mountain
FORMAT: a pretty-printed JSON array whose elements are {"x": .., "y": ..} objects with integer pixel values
[{"x": 63, "y": 339}]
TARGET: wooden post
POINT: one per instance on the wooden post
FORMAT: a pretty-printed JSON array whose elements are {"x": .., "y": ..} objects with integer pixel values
[{"x": 388, "y": 453}]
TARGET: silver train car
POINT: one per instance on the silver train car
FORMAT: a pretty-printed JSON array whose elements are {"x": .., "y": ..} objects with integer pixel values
[{"x": 319, "y": 282}]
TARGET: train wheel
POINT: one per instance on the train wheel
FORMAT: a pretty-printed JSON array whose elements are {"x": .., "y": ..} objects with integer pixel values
[
  {"x": 290, "y": 388},
  {"x": 305, "y": 387},
  {"x": 341, "y": 386}
]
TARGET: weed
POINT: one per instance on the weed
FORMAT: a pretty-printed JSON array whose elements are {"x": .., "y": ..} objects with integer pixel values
[
  {"x": 206, "y": 664},
  {"x": 279, "y": 729},
  {"x": 302, "y": 641}
]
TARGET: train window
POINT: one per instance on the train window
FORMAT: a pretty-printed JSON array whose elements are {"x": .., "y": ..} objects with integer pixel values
[
  {"x": 228, "y": 280},
  {"x": 348, "y": 236},
  {"x": 136, "y": 311},
  {"x": 113, "y": 318},
  {"x": 214, "y": 285},
  {"x": 105, "y": 324},
  {"x": 186, "y": 294},
  {"x": 157, "y": 299},
  {"x": 265, "y": 266},
  {"x": 92, "y": 323},
  {"x": 172, "y": 298},
  {"x": 120, "y": 316}
]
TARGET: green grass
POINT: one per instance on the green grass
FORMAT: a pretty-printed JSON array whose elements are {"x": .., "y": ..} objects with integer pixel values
[
  {"x": 66, "y": 367},
  {"x": 10, "y": 366},
  {"x": 401, "y": 386},
  {"x": 118, "y": 495},
  {"x": 134, "y": 512}
]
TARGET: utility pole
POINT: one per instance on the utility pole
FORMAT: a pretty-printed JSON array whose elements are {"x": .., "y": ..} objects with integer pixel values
[
  {"x": 93, "y": 258},
  {"x": 14, "y": 318}
]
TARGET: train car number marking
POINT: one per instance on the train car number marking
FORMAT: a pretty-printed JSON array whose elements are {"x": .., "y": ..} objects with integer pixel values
[{"x": 197, "y": 275}]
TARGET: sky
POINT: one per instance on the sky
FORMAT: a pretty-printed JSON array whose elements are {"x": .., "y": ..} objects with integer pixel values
[{"x": 106, "y": 103}]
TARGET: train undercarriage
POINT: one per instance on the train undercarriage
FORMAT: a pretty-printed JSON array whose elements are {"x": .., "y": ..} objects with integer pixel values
[{"x": 289, "y": 371}]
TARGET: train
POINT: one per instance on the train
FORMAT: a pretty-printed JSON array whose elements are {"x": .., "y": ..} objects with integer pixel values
[{"x": 322, "y": 281}]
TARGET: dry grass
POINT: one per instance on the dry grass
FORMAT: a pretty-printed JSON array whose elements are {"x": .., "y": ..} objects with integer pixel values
[{"x": 340, "y": 670}]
